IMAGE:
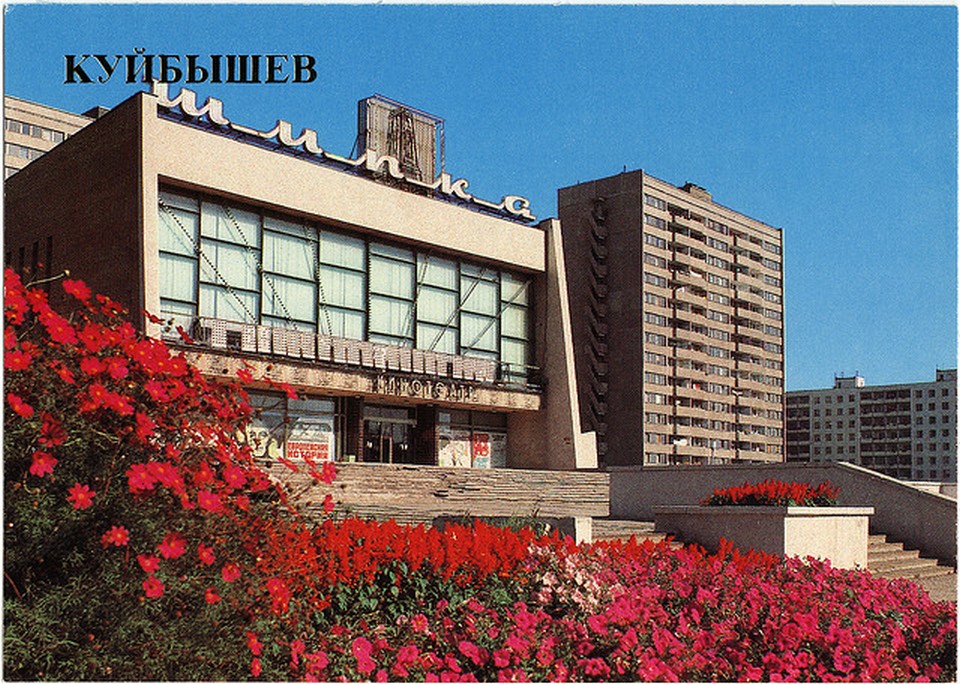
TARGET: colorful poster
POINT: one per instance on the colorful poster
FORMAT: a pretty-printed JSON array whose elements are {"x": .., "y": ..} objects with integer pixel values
[
  {"x": 311, "y": 438},
  {"x": 481, "y": 450},
  {"x": 453, "y": 447}
]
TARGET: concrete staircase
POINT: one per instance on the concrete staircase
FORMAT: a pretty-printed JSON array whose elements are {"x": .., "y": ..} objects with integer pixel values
[
  {"x": 889, "y": 559},
  {"x": 607, "y": 528}
]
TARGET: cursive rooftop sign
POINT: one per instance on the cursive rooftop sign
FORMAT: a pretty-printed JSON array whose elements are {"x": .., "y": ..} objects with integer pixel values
[{"x": 370, "y": 162}]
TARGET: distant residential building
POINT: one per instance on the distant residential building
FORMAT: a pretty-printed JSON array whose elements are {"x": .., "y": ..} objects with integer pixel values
[
  {"x": 907, "y": 431},
  {"x": 677, "y": 308},
  {"x": 30, "y": 130}
]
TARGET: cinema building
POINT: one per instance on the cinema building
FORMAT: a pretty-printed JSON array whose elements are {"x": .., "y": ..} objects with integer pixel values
[{"x": 420, "y": 324}]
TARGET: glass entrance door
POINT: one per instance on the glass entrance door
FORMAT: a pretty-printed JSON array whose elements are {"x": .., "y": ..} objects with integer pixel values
[{"x": 387, "y": 435}]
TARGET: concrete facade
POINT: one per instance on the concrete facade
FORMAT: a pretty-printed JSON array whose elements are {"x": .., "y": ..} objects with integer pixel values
[
  {"x": 151, "y": 158},
  {"x": 677, "y": 308},
  {"x": 837, "y": 534},
  {"x": 907, "y": 431},
  {"x": 921, "y": 520}
]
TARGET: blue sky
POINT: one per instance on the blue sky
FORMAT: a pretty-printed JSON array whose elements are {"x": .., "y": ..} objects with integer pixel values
[{"x": 836, "y": 124}]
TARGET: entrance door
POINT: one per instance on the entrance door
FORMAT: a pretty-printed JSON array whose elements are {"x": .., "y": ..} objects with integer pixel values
[{"x": 387, "y": 435}]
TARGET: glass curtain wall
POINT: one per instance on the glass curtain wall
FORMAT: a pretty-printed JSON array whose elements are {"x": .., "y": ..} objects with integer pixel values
[{"x": 221, "y": 261}]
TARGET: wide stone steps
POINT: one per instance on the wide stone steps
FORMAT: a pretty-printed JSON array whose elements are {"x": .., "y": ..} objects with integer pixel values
[
  {"x": 609, "y": 529},
  {"x": 890, "y": 560}
]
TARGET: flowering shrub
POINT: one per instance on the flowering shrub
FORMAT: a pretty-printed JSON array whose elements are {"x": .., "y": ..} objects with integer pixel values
[
  {"x": 774, "y": 493},
  {"x": 142, "y": 541}
]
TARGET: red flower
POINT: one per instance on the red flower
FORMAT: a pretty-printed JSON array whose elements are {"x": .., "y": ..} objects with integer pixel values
[
  {"x": 361, "y": 649},
  {"x": 150, "y": 564},
  {"x": 17, "y": 360},
  {"x": 211, "y": 596},
  {"x": 205, "y": 553},
  {"x": 78, "y": 289},
  {"x": 117, "y": 368},
  {"x": 42, "y": 463},
  {"x": 209, "y": 501},
  {"x": 279, "y": 594},
  {"x": 254, "y": 644},
  {"x": 329, "y": 472},
  {"x": 153, "y": 587},
  {"x": 19, "y": 406},
  {"x": 81, "y": 496},
  {"x": 139, "y": 478},
  {"x": 91, "y": 365},
  {"x": 116, "y": 535},
  {"x": 255, "y": 667},
  {"x": 230, "y": 573},
  {"x": 328, "y": 505},
  {"x": 234, "y": 477},
  {"x": 245, "y": 375},
  {"x": 51, "y": 432},
  {"x": 172, "y": 546}
]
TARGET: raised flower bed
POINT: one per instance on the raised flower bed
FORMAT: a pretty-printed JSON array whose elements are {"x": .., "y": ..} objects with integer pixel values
[{"x": 787, "y": 519}]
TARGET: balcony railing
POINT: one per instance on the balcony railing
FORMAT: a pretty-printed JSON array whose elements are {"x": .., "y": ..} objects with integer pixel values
[{"x": 263, "y": 340}]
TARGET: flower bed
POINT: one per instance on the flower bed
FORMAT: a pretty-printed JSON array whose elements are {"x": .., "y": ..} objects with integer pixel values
[
  {"x": 142, "y": 541},
  {"x": 774, "y": 493}
]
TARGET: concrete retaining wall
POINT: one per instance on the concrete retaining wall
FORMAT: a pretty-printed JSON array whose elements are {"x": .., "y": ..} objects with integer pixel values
[{"x": 921, "y": 520}]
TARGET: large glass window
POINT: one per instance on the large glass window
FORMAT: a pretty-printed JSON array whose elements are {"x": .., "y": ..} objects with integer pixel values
[{"x": 220, "y": 261}]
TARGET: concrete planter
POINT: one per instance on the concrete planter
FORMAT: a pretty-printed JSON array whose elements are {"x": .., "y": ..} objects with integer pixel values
[{"x": 835, "y": 533}]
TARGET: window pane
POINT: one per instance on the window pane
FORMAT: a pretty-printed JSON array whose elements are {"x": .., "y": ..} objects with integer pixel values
[
  {"x": 515, "y": 290},
  {"x": 390, "y": 316},
  {"x": 229, "y": 224},
  {"x": 178, "y": 231},
  {"x": 436, "y": 338},
  {"x": 392, "y": 252},
  {"x": 341, "y": 323},
  {"x": 436, "y": 306},
  {"x": 478, "y": 331},
  {"x": 178, "y": 277},
  {"x": 181, "y": 313},
  {"x": 341, "y": 288},
  {"x": 298, "y": 230},
  {"x": 179, "y": 202},
  {"x": 218, "y": 302},
  {"x": 479, "y": 296},
  {"x": 235, "y": 266},
  {"x": 391, "y": 277},
  {"x": 515, "y": 353},
  {"x": 293, "y": 256},
  {"x": 438, "y": 272},
  {"x": 514, "y": 321},
  {"x": 341, "y": 250},
  {"x": 286, "y": 298}
]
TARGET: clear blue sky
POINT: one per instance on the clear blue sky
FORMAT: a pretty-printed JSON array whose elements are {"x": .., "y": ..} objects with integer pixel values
[{"x": 836, "y": 124}]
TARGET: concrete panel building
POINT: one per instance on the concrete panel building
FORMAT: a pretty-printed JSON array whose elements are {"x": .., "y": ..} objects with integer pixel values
[
  {"x": 907, "y": 431},
  {"x": 31, "y": 129},
  {"x": 677, "y": 305},
  {"x": 420, "y": 324}
]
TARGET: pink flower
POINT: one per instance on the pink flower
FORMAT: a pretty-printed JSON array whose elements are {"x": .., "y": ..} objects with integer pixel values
[
  {"x": 361, "y": 649},
  {"x": 150, "y": 564},
  {"x": 206, "y": 555},
  {"x": 230, "y": 573},
  {"x": 211, "y": 596}
]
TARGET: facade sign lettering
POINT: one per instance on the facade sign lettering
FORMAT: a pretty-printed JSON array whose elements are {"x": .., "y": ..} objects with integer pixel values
[
  {"x": 370, "y": 162},
  {"x": 424, "y": 388}
]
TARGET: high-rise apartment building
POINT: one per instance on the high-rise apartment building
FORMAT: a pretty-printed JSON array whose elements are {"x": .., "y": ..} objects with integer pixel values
[
  {"x": 31, "y": 129},
  {"x": 677, "y": 305},
  {"x": 908, "y": 431}
]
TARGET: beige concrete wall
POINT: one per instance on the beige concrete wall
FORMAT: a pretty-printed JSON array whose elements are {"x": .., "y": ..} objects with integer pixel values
[
  {"x": 921, "y": 520},
  {"x": 838, "y": 534},
  {"x": 554, "y": 434},
  {"x": 183, "y": 156}
]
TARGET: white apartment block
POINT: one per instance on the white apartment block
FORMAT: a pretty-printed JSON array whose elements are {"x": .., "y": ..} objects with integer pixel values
[{"x": 907, "y": 431}]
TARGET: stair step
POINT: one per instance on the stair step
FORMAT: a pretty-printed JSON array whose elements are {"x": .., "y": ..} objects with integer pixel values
[
  {"x": 901, "y": 564},
  {"x": 914, "y": 573},
  {"x": 881, "y": 554}
]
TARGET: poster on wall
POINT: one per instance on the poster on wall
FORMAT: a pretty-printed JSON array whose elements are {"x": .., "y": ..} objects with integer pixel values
[
  {"x": 481, "y": 449},
  {"x": 453, "y": 447},
  {"x": 311, "y": 439}
]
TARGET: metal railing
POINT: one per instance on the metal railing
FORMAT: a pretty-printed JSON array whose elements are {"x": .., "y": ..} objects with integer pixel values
[{"x": 251, "y": 338}]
